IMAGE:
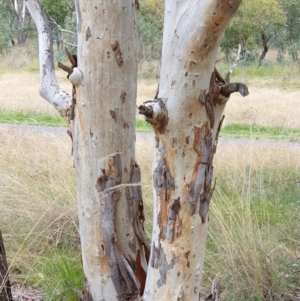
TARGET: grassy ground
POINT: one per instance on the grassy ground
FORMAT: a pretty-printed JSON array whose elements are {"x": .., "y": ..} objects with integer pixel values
[
  {"x": 254, "y": 235},
  {"x": 253, "y": 244}
]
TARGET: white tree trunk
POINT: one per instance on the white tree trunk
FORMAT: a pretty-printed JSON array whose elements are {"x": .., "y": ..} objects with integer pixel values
[
  {"x": 104, "y": 146},
  {"x": 101, "y": 112},
  {"x": 186, "y": 117}
]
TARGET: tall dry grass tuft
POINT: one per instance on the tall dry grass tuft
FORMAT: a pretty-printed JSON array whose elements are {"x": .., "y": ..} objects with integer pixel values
[
  {"x": 254, "y": 233},
  {"x": 37, "y": 198}
]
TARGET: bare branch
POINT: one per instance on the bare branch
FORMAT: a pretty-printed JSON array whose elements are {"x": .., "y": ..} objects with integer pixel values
[
  {"x": 49, "y": 88},
  {"x": 239, "y": 58},
  {"x": 62, "y": 30}
]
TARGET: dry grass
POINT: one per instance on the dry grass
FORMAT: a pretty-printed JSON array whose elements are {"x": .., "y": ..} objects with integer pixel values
[
  {"x": 19, "y": 92},
  {"x": 265, "y": 107},
  {"x": 38, "y": 211},
  {"x": 254, "y": 239}
]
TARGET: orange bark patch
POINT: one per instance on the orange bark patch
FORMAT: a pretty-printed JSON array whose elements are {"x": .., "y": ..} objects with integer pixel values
[
  {"x": 140, "y": 272},
  {"x": 178, "y": 227}
]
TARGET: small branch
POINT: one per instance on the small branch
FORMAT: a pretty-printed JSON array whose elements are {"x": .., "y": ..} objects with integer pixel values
[
  {"x": 234, "y": 87},
  {"x": 65, "y": 68},
  {"x": 60, "y": 28},
  {"x": 239, "y": 58}
]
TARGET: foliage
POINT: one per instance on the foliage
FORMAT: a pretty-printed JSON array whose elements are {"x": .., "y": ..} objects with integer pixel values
[
  {"x": 248, "y": 24},
  {"x": 57, "y": 269},
  {"x": 291, "y": 35},
  {"x": 15, "y": 21},
  {"x": 150, "y": 26},
  {"x": 57, "y": 10}
]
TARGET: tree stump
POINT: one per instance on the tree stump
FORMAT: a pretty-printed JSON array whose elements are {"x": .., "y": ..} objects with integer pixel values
[{"x": 5, "y": 288}]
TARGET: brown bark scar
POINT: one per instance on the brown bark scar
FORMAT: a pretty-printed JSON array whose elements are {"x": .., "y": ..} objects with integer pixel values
[
  {"x": 118, "y": 53},
  {"x": 88, "y": 33}
]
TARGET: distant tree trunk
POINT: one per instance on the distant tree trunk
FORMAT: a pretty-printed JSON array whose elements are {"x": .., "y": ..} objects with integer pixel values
[
  {"x": 264, "y": 39},
  {"x": 5, "y": 288},
  {"x": 186, "y": 117}
]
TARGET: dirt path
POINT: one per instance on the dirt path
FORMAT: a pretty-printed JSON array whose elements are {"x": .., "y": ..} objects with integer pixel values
[{"x": 143, "y": 135}]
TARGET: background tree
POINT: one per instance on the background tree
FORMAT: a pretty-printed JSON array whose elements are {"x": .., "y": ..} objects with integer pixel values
[
  {"x": 186, "y": 117},
  {"x": 290, "y": 38},
  {"x": 62, "y": 19},
  {"x": 150, "y": 26},
  {"x": 16, "y": 19},
  {"x": 249, "y": 26}
]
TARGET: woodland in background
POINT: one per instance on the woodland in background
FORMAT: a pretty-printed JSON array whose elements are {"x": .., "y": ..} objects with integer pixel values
[{"x": 277, "y": 26}]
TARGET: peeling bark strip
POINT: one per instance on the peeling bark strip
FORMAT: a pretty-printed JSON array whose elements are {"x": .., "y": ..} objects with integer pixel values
[
  {"x": 156, "y": 114},
  {"x": 163, "y": 183},
  {"x": 136, "y": 206},
  {"x": 122, "y": 275},
  {"x": 118, "y": 53},
  {"x": 203, "y": 170},
  {"x": 159, "y": 261},
  {"x": 137, "y": 218},
  {"x": 172, "y": 217}
]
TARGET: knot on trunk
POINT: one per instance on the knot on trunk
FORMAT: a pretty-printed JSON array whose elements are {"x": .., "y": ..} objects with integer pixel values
[{"x": 156, "y": 114}]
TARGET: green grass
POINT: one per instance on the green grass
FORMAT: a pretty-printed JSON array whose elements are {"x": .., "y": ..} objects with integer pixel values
[
  {"x": 233, "y": 130},
  {"x": 260, "y": 132},
  {"x": 31, "y": 119},
  {"x": 50, "y": 120}
]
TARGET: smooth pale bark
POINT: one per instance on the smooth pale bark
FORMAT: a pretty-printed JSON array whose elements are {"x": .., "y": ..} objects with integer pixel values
[
  {"x": 104, "y": 143},
  {"x": 186, "y": 117},
  {"x": 101, "y": 112},
  {"x": 49, "y": 89}
]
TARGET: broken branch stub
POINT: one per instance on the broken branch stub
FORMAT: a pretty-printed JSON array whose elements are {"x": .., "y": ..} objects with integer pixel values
[
  {"x": 156, "y": 114},
  {"x": 234, "y": 87},
  {"x": 218, "y": 93}
]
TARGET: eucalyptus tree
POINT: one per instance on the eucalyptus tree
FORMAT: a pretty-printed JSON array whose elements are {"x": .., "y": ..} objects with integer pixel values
[
  {"x": 186, "y": 116},
  {"x": 291, "y": 35},
  {"x": 15, "y": 20}
]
